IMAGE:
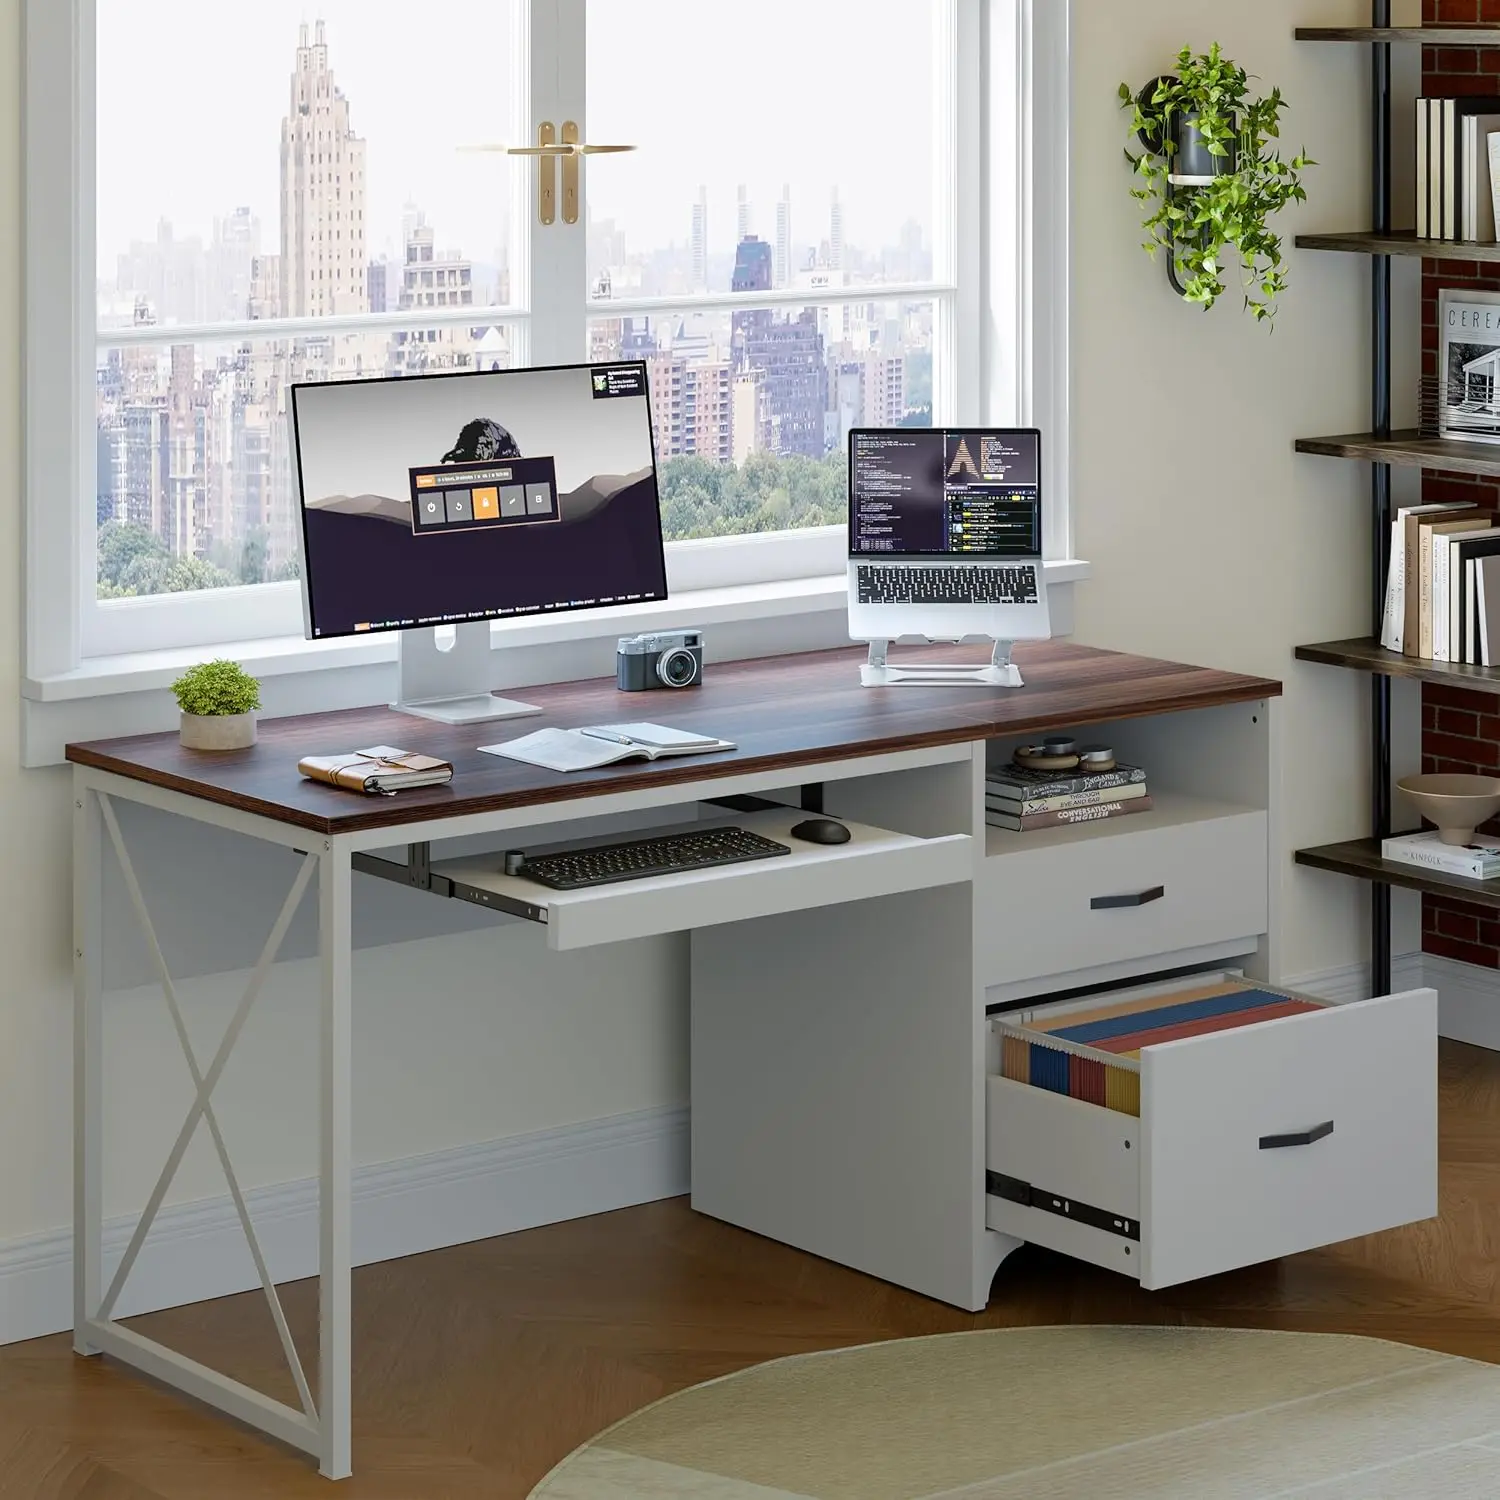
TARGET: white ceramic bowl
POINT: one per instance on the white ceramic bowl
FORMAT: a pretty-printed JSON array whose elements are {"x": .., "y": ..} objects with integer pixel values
[{"x": 1456, "y": 804}]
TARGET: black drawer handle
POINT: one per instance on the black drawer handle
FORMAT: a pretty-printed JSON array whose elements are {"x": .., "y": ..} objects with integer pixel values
[
  {"x": 1140, "y": 898},
  {"x": 1297, "y": 1137}
]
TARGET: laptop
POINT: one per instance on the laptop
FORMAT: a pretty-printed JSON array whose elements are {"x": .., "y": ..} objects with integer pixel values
[{"x": 945, "y": 534}]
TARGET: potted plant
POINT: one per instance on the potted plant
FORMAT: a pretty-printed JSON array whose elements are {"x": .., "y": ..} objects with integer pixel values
[
  {"x": 1212, "y": 177},
  {"x": 218, "y": 700}
]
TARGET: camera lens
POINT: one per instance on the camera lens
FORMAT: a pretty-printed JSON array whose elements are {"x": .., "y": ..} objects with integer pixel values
[{"x": 677, "y": 667}]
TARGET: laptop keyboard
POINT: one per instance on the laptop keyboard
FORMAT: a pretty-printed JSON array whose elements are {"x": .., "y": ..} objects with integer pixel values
[{"x": 966, "y": 584}]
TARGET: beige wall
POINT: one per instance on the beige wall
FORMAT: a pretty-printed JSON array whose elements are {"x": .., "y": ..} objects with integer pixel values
[
  {"x": 1210, "y": 541},
  {"x": 35, "y": 1111}
]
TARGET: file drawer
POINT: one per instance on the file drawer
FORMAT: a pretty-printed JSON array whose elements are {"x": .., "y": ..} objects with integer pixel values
[
  {"x": 1251, "y": 1144},
  {"x": 1110, "y": 893}
]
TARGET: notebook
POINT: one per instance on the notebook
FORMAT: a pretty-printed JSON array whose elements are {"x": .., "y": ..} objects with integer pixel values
[
  {"x": 604, "y": 745},
  {"x": 381, "y": 770}
]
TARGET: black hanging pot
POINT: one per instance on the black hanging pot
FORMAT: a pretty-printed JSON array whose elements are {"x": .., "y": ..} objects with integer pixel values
[{"x": 1192, "y": 158}]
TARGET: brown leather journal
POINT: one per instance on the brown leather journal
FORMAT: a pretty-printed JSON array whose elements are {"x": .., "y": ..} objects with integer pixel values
[{"x": 379, "y": 771}]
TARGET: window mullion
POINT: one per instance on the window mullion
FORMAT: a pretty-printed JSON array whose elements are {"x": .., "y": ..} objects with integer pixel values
[{"x": 558, "y": 253}]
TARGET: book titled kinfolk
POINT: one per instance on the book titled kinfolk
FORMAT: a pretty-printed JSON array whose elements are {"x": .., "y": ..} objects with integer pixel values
[{"x": 1479, "y": 859}]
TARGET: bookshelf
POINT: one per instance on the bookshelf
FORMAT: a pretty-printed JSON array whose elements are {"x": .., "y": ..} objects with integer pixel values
[
  {"x": 1401, "y": 242},
  {"x": 1366, "y": 654},
  {"x": 1361, "y": 859},
  {"x": 1432, "y": 36},
  {"x": 1385, "y": 448},
  {"x": 1409, "y": 450}
]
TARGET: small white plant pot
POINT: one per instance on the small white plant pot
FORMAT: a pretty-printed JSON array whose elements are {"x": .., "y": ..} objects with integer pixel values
[{"x": 218, "y": 731}]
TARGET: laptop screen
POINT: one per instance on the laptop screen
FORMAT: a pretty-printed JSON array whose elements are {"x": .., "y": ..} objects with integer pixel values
[{"x": 945, "y": 492}]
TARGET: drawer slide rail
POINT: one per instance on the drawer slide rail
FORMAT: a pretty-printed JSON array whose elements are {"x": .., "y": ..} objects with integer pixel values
[{"x": 1013, "y": 1190}]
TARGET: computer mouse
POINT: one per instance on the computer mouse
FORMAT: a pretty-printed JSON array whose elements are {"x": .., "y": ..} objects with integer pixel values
[{"x": 821, "y": 831}]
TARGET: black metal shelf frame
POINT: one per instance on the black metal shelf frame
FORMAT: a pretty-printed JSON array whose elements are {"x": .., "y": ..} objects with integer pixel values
[{"x": 1380, "y": 482}]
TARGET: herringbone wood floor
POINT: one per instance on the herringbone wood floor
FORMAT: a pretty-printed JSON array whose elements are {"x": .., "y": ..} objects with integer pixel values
[{"x": 477, "y": 1368}]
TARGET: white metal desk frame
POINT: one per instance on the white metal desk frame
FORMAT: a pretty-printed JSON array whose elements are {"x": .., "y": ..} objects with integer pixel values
[{"x": 322, "y": 1426}]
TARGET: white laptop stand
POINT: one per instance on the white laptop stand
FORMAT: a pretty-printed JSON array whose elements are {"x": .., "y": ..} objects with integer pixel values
[{"x": 1001, "y": 672}]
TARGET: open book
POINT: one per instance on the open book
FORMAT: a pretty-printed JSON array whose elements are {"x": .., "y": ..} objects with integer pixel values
[{"x": 604, "y": 745}]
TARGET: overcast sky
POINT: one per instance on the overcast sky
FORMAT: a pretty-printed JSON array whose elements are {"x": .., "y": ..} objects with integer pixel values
[{"x": 191, "y": 103}]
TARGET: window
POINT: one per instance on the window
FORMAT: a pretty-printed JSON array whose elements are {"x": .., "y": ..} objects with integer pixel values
[{"x": 789, "y": 253}]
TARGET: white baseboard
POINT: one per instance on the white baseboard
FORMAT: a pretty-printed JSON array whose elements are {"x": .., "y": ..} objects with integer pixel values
[
  {"x": 196, "y": 1250},
  {"x": 1468, "y": 996},
  {"x": 1352, "y": 981},
  {"x": 1468, "y": 1001}
]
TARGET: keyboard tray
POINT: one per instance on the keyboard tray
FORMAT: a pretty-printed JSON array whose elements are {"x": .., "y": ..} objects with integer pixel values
[{"x": 875, "y": 862}]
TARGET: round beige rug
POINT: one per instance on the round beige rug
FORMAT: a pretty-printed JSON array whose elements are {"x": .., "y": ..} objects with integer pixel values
[{"x": 1061, "y": 1413}]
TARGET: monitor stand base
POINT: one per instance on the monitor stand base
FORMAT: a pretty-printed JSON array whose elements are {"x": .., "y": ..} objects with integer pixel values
[
  {"x": 451, "y": 686},
  {"x": 1001, "y": 672}
]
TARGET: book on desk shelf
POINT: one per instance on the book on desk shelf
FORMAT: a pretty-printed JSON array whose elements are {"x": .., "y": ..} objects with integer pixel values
[
  {"x": 380, "y": 771},
  {"x": 599, "y": 745},
  {"x": 1043, "y": 801},
  {"x": 1063, "y": 817},
  {"x": 1020, "y": 783},
  {"x": 1479, "y": 859}
]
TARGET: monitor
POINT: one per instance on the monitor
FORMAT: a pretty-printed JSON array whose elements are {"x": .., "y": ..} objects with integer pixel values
[
  {"x": 460, "y": 499},
  {"x": 945, "y": 492}
]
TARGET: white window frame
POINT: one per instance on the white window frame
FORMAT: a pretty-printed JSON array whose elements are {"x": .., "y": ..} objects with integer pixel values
[{"x": 995, "y": 270}]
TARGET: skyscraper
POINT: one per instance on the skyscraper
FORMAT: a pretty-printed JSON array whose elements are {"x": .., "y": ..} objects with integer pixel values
[
  {"x": 323, "y": 258},
  {"x": 700, "y": 241},
  {"x": 835, "y": 232},
  {"x": 784, "y": 267},
  {"x": 742, "y": 217},
  {"x": 752, "y": 273}
]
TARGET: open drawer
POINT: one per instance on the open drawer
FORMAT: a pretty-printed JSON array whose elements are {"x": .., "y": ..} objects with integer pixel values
[
  {"x": 875, "y": 862},
  {"x": 1253, "y": 1143}
]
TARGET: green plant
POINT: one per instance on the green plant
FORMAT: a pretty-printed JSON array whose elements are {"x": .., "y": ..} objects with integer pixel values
[
  {"x": 1196, "y": 225},
  {"x": 213, "y": 689}
]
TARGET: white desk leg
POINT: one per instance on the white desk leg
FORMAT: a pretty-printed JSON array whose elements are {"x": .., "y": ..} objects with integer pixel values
[
  {"x": 335, "y": 1249},
  {"x": 88, "y": 1042}
]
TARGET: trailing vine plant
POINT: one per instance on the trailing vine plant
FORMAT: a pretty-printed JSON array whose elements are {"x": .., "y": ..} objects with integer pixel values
[{"x": 1197, "y": 224}]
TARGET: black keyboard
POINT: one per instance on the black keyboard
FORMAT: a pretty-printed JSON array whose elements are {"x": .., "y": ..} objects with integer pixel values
[
  {"x": 670, "y": 854},
  {"x": 966, "y": 584}
]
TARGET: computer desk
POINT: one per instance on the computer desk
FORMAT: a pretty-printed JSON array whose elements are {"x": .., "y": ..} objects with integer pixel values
[{"x": 838, "y": 994}]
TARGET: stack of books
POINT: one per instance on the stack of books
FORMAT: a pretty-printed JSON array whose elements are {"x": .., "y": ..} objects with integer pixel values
[
  {"x": 1442, "y": 598},
  {"x": 1479, "y": 859},
  {"x": 1021, "y": 799},
  {"x": 1456, "y": 146}
]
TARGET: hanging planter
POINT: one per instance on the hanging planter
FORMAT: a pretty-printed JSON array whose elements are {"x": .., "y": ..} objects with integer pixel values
[{"x": 1212, "y": 178}]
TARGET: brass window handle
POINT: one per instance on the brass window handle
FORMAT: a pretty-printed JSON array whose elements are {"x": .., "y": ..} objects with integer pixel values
[{"x": 548, "y": 150}]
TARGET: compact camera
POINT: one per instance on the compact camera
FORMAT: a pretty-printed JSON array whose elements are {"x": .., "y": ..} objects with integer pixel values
[{"x": 668, "y": 659}]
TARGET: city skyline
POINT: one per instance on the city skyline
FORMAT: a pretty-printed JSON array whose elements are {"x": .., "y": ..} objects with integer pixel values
[
  {"x": 194, "y": 449},
  {"x": 149, "y": 80}
]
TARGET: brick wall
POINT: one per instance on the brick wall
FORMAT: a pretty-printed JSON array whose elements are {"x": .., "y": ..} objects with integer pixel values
[{"x": 1460, "y": 730}]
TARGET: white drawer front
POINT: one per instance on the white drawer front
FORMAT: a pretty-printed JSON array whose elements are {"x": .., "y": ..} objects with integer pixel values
[
  {"x": 1213, "y": 1198},
  {"x": 1192, "y": 1171},
  {"x": 1053, "y": 912}
]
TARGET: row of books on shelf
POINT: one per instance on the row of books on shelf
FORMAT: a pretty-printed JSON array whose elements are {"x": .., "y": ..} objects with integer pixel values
[
  {"x": 1022, "y": 799},
  {"x": 1442, "y": 600},
  {"x": 1458, "y": 167}
]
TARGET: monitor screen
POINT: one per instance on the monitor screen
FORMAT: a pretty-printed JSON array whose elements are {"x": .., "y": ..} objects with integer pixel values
[
  {"x": 443, "y": 499},
  {"x": 956, "y": 492}
]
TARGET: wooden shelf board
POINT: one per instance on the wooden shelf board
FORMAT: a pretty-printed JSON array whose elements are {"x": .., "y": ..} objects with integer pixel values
[
  {"x": 1409, "y": 450},
  {"x": 1434, "y": 36},
  {"x": 1400, "y": 242},
  {"x": 1368, "y": 655},
  {"x": 1360, "y": 858}
]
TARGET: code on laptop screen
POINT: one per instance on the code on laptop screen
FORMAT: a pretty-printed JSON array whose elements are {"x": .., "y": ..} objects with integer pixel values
[{"x": 971, "y": 492}]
